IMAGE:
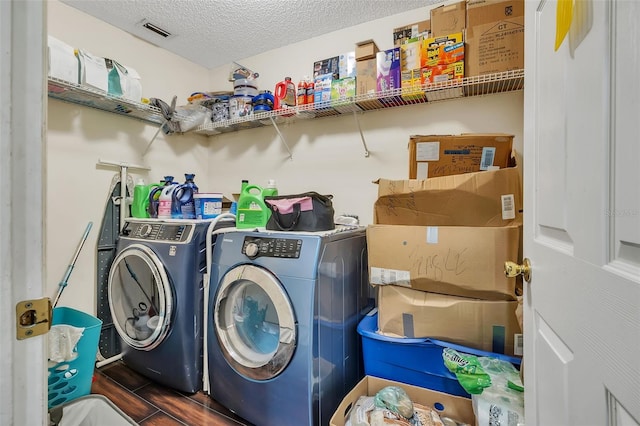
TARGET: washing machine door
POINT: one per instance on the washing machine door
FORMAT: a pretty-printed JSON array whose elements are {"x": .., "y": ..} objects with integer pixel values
[
  {"x": 140, "y": 297},
  {"x": 254, "y": 322}
]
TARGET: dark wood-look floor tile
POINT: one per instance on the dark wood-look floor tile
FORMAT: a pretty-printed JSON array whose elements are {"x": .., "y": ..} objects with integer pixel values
[
  {"x": 184, "y": 409},
  {"x": 134, "y": 406},
  {"x": 161, "y": 419},
  {"x": 204, "y": 399},
  {"x": 122, "y": 374}
]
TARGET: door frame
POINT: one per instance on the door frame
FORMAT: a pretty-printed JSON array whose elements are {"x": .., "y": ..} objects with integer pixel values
[{"x": 23, "y": 70}]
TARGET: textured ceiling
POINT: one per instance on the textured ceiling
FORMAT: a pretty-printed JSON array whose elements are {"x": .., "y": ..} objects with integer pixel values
[{"x": 215, "y": 32}]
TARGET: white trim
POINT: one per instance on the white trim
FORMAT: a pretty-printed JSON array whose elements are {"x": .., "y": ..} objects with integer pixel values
[{"x": 23, "y": 396}]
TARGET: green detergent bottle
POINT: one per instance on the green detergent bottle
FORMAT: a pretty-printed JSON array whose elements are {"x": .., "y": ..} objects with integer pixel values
[
  {"x": 252, "y": 212},
  {"x": 140, "y": 204}
]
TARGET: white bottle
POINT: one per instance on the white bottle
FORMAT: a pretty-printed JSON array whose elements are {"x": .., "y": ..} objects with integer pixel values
[
  {"x": 271, "y": 189},
  {"x": 166, "y": 198}
]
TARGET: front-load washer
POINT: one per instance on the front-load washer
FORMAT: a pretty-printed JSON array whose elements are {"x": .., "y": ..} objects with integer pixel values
[
  {"x": 283, "y": 348},
  {"x": 155, "y": 293}
]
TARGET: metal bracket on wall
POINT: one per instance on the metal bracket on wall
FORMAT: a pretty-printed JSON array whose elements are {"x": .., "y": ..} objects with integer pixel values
[
  {"x": 364, "y": 142},
  {"x": 275, "y": 125}
]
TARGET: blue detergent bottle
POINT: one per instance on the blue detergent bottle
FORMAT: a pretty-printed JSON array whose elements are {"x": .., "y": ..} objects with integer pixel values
[
  {"x": 166, "y": 197},
  {"x": 183, "y": 203}
]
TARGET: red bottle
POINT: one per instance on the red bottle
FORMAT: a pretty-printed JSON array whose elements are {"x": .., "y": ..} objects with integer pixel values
[
  {"x": 311, "y": 89},
  {"x": 302, "y": 92}
]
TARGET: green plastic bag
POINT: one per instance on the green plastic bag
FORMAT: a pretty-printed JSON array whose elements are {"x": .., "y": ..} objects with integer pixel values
[{"x": 468, "y": 371}]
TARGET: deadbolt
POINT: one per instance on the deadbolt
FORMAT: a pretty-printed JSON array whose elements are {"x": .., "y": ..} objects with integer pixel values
[{"x": 512, "y": 269}]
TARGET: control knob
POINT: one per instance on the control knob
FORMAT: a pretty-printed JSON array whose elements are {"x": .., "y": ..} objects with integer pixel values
[
  {"x": 251, "y": 250},
  {"x": 145, "y": 230}
]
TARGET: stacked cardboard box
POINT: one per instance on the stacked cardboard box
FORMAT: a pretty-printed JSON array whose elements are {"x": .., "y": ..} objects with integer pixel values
[
  {"x": 436, "y": 254},
  {"x": 366, "y": 67}
]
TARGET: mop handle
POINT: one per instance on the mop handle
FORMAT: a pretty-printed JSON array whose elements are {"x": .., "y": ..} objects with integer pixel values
[{"x": 67, "y": 274}]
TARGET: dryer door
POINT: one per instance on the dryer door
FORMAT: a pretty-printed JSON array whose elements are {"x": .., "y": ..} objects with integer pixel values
[
  {"x": 140, "y": 297},
  {"x": 255, "y": 323}
]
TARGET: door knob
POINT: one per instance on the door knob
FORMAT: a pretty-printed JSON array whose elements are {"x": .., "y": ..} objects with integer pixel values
[{"x": 512, "y": 269}]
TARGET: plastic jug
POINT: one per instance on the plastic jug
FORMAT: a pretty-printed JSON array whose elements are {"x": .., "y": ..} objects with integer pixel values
[
  {"x": 284, "y": 94},
  {"x": 140, "y": 204},
  {"x": 252, "y": 211},
  {"x": 271, "y": 189},
  {"x": 154, "y": 196},
  {"x": 182, "y": 202},
  {"x": 166, "y": 199}
]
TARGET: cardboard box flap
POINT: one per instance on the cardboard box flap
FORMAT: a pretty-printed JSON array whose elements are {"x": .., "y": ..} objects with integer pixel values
[{"x": 489, "y": 198}]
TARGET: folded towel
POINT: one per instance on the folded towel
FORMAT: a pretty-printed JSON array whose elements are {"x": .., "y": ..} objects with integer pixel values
[{"x": 63, "y": 339}]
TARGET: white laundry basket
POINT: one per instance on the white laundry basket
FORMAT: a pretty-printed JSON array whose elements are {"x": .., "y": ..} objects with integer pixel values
[{"x": 90, "y": 410}]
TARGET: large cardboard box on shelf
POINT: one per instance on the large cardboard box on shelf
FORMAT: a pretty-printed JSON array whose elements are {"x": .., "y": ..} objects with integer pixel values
[
  {"x": 491, "y": 198},
  {"x": 461, "y": 261},
  {"x": 443, "y": 155},
  {"x": 488, "y": 325},
  {"x": 416, "y": 30},
  {"x": 454, "y": 407},
  {"x": 448, "y": 19},
  {"x": 366, "y": 49},
  {"x": 494, "y": 36},
  {"x": 366, "y": 77}
]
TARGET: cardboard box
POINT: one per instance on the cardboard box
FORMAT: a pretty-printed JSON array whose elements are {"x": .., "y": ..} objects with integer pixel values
[
  {"x": 441, "y": 73},
  {"x": 366, "y": 76},
  {"x": 327, "y": 66},
  {"x": 442, "y": 50},
  {"x": 347, "y": 65},
  {"x": 366, "y": 50},
  {"x": 488, "y": 325},
  {"x": 471, "y": 199},
  {"x": 456, "y": 260},
  {"x": 410, "y": 55},
  {"x": 448, "y": 19},
  {"x": 343, "y": 89},
  {"x": 494, "y": 36},
  {"x": 442, "y": 155},
  {"x": 420, "y": 29},
  {"x": 388, "y": 66},
  {"x": 322, "y": 88},
  {"x": 455, "y": 407}
]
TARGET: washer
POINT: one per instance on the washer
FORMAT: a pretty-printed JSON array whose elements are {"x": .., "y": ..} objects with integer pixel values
[
  {"x": 283, "y": 347},
  {"x": 155, "y": 293}
]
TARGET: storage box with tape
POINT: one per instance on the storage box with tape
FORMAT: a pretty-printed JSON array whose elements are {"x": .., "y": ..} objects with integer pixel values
[
  {"x": 491, "y": 198},
  {"x": 412, "y": 31},
  {"x": 442, "y": 155},
  {"x": 456, "y": 260},
  {"x": 454, "y": 407},
  {"x": 488, "y": 325},
  {"x": 448, "y": 19},
  {"x": 494, "y": 36}
]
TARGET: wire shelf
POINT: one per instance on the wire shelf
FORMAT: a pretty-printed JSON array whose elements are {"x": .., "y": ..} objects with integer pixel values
[{"x": 482, "y": 85}]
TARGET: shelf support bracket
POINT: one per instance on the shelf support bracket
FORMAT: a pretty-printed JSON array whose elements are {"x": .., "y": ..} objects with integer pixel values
[
  {"x": 364, "y": 142},
  {"x": 284, "y": 141}
]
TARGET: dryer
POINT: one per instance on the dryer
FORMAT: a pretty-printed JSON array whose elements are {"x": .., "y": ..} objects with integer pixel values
[
  {"x": 155, "y": 293},
  {"x": 283, "y": 346}
]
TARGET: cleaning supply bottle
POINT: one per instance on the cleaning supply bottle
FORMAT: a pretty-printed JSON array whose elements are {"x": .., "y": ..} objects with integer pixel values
[
  {"x": 166, "y": 198},
  {"x": 183, "y": 203},
  {"x": 252, "y": 212},
  {"x": 285, "y": 94},
  {"x": 154, "y": 196},
  {"x": 271, "y": 189},
  {"x": 311, "y": 90},
  {"x": 140, "y": 200},
  {"x": 302, "y": 92}
]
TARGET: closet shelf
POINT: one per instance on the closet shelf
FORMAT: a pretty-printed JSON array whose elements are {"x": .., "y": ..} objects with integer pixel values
[
  {"x": 74, "y": 93},
  {"x": 508, "y": 81}
]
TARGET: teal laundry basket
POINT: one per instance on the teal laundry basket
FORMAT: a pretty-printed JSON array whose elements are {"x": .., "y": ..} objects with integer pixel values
[{"x": 69, "y": 380}]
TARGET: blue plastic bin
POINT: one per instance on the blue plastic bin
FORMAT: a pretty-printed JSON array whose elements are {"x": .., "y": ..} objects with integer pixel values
[
  {"x": 72, "y": 379},
  {"x": 416, "y": 362}
]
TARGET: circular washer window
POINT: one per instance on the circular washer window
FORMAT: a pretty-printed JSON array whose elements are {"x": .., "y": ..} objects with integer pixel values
[
  {"x": 255, "y": 323},
  {"x": 140, "y": 297}
]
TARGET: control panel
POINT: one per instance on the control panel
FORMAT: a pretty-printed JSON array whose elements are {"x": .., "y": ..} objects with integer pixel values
[
  {"x": 254, "y": 247},
  {"x": 148, "y": 231}
]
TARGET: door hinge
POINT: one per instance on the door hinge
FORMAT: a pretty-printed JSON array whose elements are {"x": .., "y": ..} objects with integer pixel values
[{"x": 33, "y": 318}]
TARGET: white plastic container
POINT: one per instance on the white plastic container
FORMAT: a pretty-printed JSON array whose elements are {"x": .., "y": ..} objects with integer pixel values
[
  {"x": 208, "y": 205},
  {"x": 166, "y": 198}
]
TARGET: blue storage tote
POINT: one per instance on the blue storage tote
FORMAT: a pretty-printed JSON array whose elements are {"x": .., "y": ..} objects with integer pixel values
[
  {"x": 72, "y": 379},
  {"x": 413, "y": 361}
]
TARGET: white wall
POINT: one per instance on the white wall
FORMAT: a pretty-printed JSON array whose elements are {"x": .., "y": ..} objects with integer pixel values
[{"x": 328, "y": 155}]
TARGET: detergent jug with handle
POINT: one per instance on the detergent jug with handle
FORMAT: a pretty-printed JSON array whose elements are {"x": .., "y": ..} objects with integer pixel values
[
  {"x": 140, "y": 204},
  {"x": 154, "y": 196},
  {"x": 252, "y": 212},
  {"x": 183, "y": 204},
  {"x": 166, "y": 198}
]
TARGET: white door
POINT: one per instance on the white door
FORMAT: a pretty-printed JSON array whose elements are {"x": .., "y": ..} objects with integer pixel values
[
  {"x": 582, "y": 215},
  {"x": 23, "y": 400}
]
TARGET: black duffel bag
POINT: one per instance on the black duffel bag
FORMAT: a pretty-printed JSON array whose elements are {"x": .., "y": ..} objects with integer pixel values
[{"x": 308, "y": 211}]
